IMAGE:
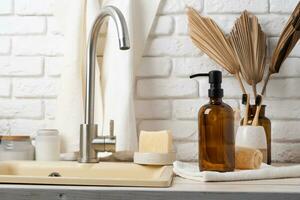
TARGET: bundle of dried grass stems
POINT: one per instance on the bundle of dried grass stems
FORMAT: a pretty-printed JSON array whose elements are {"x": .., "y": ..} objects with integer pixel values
[{"x": 244, "y": 51}]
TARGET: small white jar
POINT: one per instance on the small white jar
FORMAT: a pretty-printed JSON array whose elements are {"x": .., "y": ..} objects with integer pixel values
[
  {"x": 16, "y": 148},
  {"x": 47, "y": 145}
]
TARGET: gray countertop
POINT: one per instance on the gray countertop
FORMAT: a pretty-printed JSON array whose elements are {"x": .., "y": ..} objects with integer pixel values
[{"x": 181, "y": 189}]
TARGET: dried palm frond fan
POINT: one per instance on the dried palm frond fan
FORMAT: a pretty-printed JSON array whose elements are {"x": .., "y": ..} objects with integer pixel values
[
  {"x": 249, "y": 44},
  {"x": 287, "y": 41},
  {"x": 208, "y": 37}
]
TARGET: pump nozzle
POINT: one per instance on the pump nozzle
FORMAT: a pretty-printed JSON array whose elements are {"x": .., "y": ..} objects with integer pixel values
[
  {"x": 215, "y": 80},
  {"x": 196, "y": 75}
]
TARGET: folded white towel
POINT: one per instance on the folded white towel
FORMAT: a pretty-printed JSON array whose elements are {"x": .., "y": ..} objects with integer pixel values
[{"x": 191, "y": 171}]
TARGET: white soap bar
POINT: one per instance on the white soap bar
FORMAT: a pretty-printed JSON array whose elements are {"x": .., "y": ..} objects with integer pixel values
[{"x": 155, "y": 141}]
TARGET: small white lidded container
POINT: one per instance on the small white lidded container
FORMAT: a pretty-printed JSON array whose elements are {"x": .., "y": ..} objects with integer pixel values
[
  {"x": 15, "y": 147},
  {"x": 47, "y": 145}
]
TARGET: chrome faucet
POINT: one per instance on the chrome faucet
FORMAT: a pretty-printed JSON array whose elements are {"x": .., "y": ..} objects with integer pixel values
[{"x": 89, "y": 130}]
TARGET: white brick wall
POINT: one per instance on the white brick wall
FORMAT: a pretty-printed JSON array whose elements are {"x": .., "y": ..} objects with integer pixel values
[
  {"x": 31, "y": 54},
  {"x": 33, "y": 7},
  {"x": 6, "y": 7},
  {"x": 236, "y": 6},
  {"x": 5, "y": 45},
  {"x": 26, "y": 25}
]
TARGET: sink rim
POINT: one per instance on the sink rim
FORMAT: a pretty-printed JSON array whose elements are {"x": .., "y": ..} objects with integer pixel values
[{"x": 164, "y": 179}]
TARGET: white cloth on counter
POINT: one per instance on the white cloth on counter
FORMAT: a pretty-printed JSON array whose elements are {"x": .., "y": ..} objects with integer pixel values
[
  {"x": 114, "y": 93},
  {"x": 191, "y": 171}
]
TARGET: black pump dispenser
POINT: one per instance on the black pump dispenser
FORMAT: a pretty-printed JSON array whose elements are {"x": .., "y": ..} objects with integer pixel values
[{"x": 215, "y": 80}]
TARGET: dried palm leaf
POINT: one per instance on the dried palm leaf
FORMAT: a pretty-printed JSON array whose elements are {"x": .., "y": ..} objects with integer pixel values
[
  {"x": 287, "y": 41},
  {"x": 249, "y": 44},
  {"x": 208, "y": 37}
]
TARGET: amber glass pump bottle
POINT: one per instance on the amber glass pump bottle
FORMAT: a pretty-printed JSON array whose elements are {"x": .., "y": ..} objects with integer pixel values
[{"x": 216, "y": 129}]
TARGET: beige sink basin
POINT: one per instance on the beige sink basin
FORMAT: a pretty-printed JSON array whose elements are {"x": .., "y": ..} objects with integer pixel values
[{"x": 73, "y": 173}]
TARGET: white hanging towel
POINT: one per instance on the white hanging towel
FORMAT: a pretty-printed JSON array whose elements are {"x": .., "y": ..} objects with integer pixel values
[
  {"x": 117, "y": 69},
  {"x": 191, "y": 171},
  {"x": 72, "y": 18}
]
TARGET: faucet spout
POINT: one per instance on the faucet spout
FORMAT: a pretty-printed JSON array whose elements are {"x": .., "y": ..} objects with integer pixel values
[
  {"x": 89, "y": 130},
  {"x": 123, "y": 36}
]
